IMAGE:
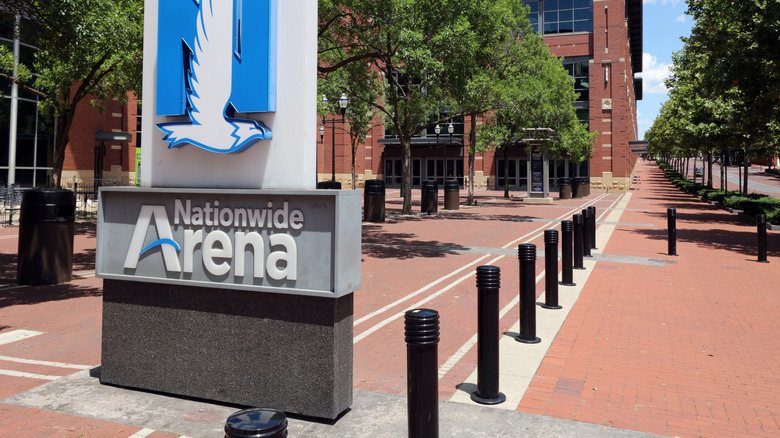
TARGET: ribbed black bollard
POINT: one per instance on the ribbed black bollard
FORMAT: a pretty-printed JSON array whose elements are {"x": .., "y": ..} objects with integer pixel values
[
  {"x": 671, "y": 220},
  {"x": 488, "y": 284},
  {"x": 551, "y": 270},
  {"x": 566, "y": 253},
  {"x": 586, "y": 233},
  {"x": 578, "y": 242},
  {"x": 526, "y": 252},
  {"x": 592, "y": 210},
  {"x": 761, "y": 224},
  {"x": 422, "y": 376},
  {"x": 257, "y": 423}
]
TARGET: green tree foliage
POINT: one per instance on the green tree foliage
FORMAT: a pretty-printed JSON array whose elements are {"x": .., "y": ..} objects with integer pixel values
[
  {"x": 725, "y": 86},
  {"x": 362, "y": 87},
  {"x": 431, "y": 56},
  {"x": 88, "y": 49}
]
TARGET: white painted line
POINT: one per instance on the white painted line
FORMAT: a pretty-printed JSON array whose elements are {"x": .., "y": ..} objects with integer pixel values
[
  {"x": 8, "y": 237},
  {"x": 46, "y": 363},
  {"x": 142, "y": 433},
  {"x": 28, "y": 375},
  {"x": 534, "y": 234},
  {"x": 17, "y": 335}
]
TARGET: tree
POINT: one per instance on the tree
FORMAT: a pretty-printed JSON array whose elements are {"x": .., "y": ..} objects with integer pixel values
[
  {"x": 362, "y": 87},
  {"x": 725, "y": 88},
  {"x": 427, "y": 52},
  {"x": 87, "y": 49},
  {"x": 533, "y": 90}
]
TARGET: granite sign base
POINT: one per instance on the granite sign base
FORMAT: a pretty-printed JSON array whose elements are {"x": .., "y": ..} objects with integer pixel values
[{"x": 287, "y": 352}]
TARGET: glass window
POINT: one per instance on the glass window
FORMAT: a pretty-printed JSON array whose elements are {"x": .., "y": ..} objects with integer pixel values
[
  {"x": 563, "y": 16},
  {"x": 583, "y": 26},
  {"x": 579, "y": 68}
]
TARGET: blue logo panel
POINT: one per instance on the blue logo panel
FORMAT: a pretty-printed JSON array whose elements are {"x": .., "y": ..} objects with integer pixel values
[{"x": 215, "y": 59}]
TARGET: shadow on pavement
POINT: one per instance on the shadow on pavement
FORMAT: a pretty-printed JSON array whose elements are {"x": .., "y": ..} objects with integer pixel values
[
  {"x": 39, "y": 294},
  {"x": 380, "y": 244},
  {"x": 743, "y": 242}
]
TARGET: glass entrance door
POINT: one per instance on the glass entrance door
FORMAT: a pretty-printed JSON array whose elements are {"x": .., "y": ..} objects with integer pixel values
[{"x": 517, "y": 177}]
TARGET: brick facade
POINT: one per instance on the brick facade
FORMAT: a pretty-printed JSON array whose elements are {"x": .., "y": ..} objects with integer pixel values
[{"x": 612, "y": 112}]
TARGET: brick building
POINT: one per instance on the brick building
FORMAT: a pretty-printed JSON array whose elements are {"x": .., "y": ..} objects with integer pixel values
[
  {"x": 600, "y": 42},
  {"x": 99, "y": 146}
]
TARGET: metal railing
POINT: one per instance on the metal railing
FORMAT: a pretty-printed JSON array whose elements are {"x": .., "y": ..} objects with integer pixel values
[{"x": 85, "y": 192}]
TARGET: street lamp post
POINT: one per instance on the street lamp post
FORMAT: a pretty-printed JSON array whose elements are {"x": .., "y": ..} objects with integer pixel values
[
  {"x": 450, "y": 130},
  {"x": 437, "y": 130},
  {"x": 343, "y": 101},
  {"x": 322, "y": 142}
]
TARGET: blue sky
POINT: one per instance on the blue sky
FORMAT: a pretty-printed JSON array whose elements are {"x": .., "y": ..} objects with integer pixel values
[{"x": 664, "y": 23}]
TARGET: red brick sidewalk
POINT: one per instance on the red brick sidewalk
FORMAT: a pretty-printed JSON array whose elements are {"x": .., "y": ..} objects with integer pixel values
[{"x": 689, "y": 349}]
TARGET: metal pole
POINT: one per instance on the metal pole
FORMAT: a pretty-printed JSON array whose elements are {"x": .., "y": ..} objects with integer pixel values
[
  {"x": 422, "y": 377},
  {"x": 551, "y": 270},
  {"x": 592, "y": 210},
  {"x": 526, "y": 252},
  {"x": 586, "y": 233},
  {"x": 566, "y": 253},
  {"x": 333, "y": 151},
  {"x": 761, "y": 223},
  {"x": 578, "y": 239},
  {"x": 671, "y": 216},
  {"x": 488, "y": 284}
]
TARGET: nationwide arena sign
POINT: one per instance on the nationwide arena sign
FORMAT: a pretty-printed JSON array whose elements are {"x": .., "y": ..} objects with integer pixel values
[{"x": 279, "y": 241}]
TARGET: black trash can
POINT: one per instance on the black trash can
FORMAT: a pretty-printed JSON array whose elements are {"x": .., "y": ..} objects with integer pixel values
[
  {"x": 564, "y": 188},
  {"x": 329, "y": 185},
  {"x": 576, "y": 188},
  {"x": 429, "y": 197},
  {"x": 585, "y": 185},
  {"x": 451, "y": 194},
  {"x": 374, "y": 201},
  {"x": 46, "y": 237}
]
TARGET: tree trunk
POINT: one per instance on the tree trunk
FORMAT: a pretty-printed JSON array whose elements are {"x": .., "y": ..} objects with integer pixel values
[
  {"x": 472, "y": 153},
  {"x": 407, "y": 171},
  {"x": 745, "y": 176},
  {"x": 709, "y": 169},
  {"x": 354, "y": 153},
  {"x": 61, "y": 142}
]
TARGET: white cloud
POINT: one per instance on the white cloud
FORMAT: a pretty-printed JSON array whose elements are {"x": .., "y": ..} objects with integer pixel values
[
  {"x": 653, "y": 74},
  {"x": 680, "y": 19}
]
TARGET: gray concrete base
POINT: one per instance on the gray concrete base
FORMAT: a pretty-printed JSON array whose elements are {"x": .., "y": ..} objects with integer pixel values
[
  {"x": 287, "y": 352},
  {"x": 373, "y": 414}
]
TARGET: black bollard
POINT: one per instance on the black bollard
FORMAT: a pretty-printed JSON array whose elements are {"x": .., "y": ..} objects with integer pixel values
[
  {"x": 578, "y": 242},
  {"x": 422, "y": 376},
  {"x": 671, "y": 216},
  {"x": 526, "y": 252},
  {"x": 566, "y": 254},
  {"x": 761, "y": 223},
  {"x": 488, "y": 284},
  {"x": 592, "y": 227},
  {"x": 586, "y": 233},
  {"x": 256, "y": 422},
  {"x": 551, "y": 270}
]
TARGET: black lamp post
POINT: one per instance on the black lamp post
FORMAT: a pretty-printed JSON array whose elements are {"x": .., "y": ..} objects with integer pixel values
[
  {"x": 343, "y": 106},
  {"x": 450, "y": 130},
  {"x": 437, "y": 130},
  {"x": 322, "y": 142}
]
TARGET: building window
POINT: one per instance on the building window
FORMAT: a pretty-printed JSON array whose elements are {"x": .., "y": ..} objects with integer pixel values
[
  {"x": 561, "y": 16},
  {"x": 579, "y": 69}
]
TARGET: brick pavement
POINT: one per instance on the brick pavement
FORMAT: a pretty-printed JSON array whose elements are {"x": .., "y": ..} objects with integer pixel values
[
  {"x": 634, "y": 337},
  {"x": 685, "y": 350}
]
